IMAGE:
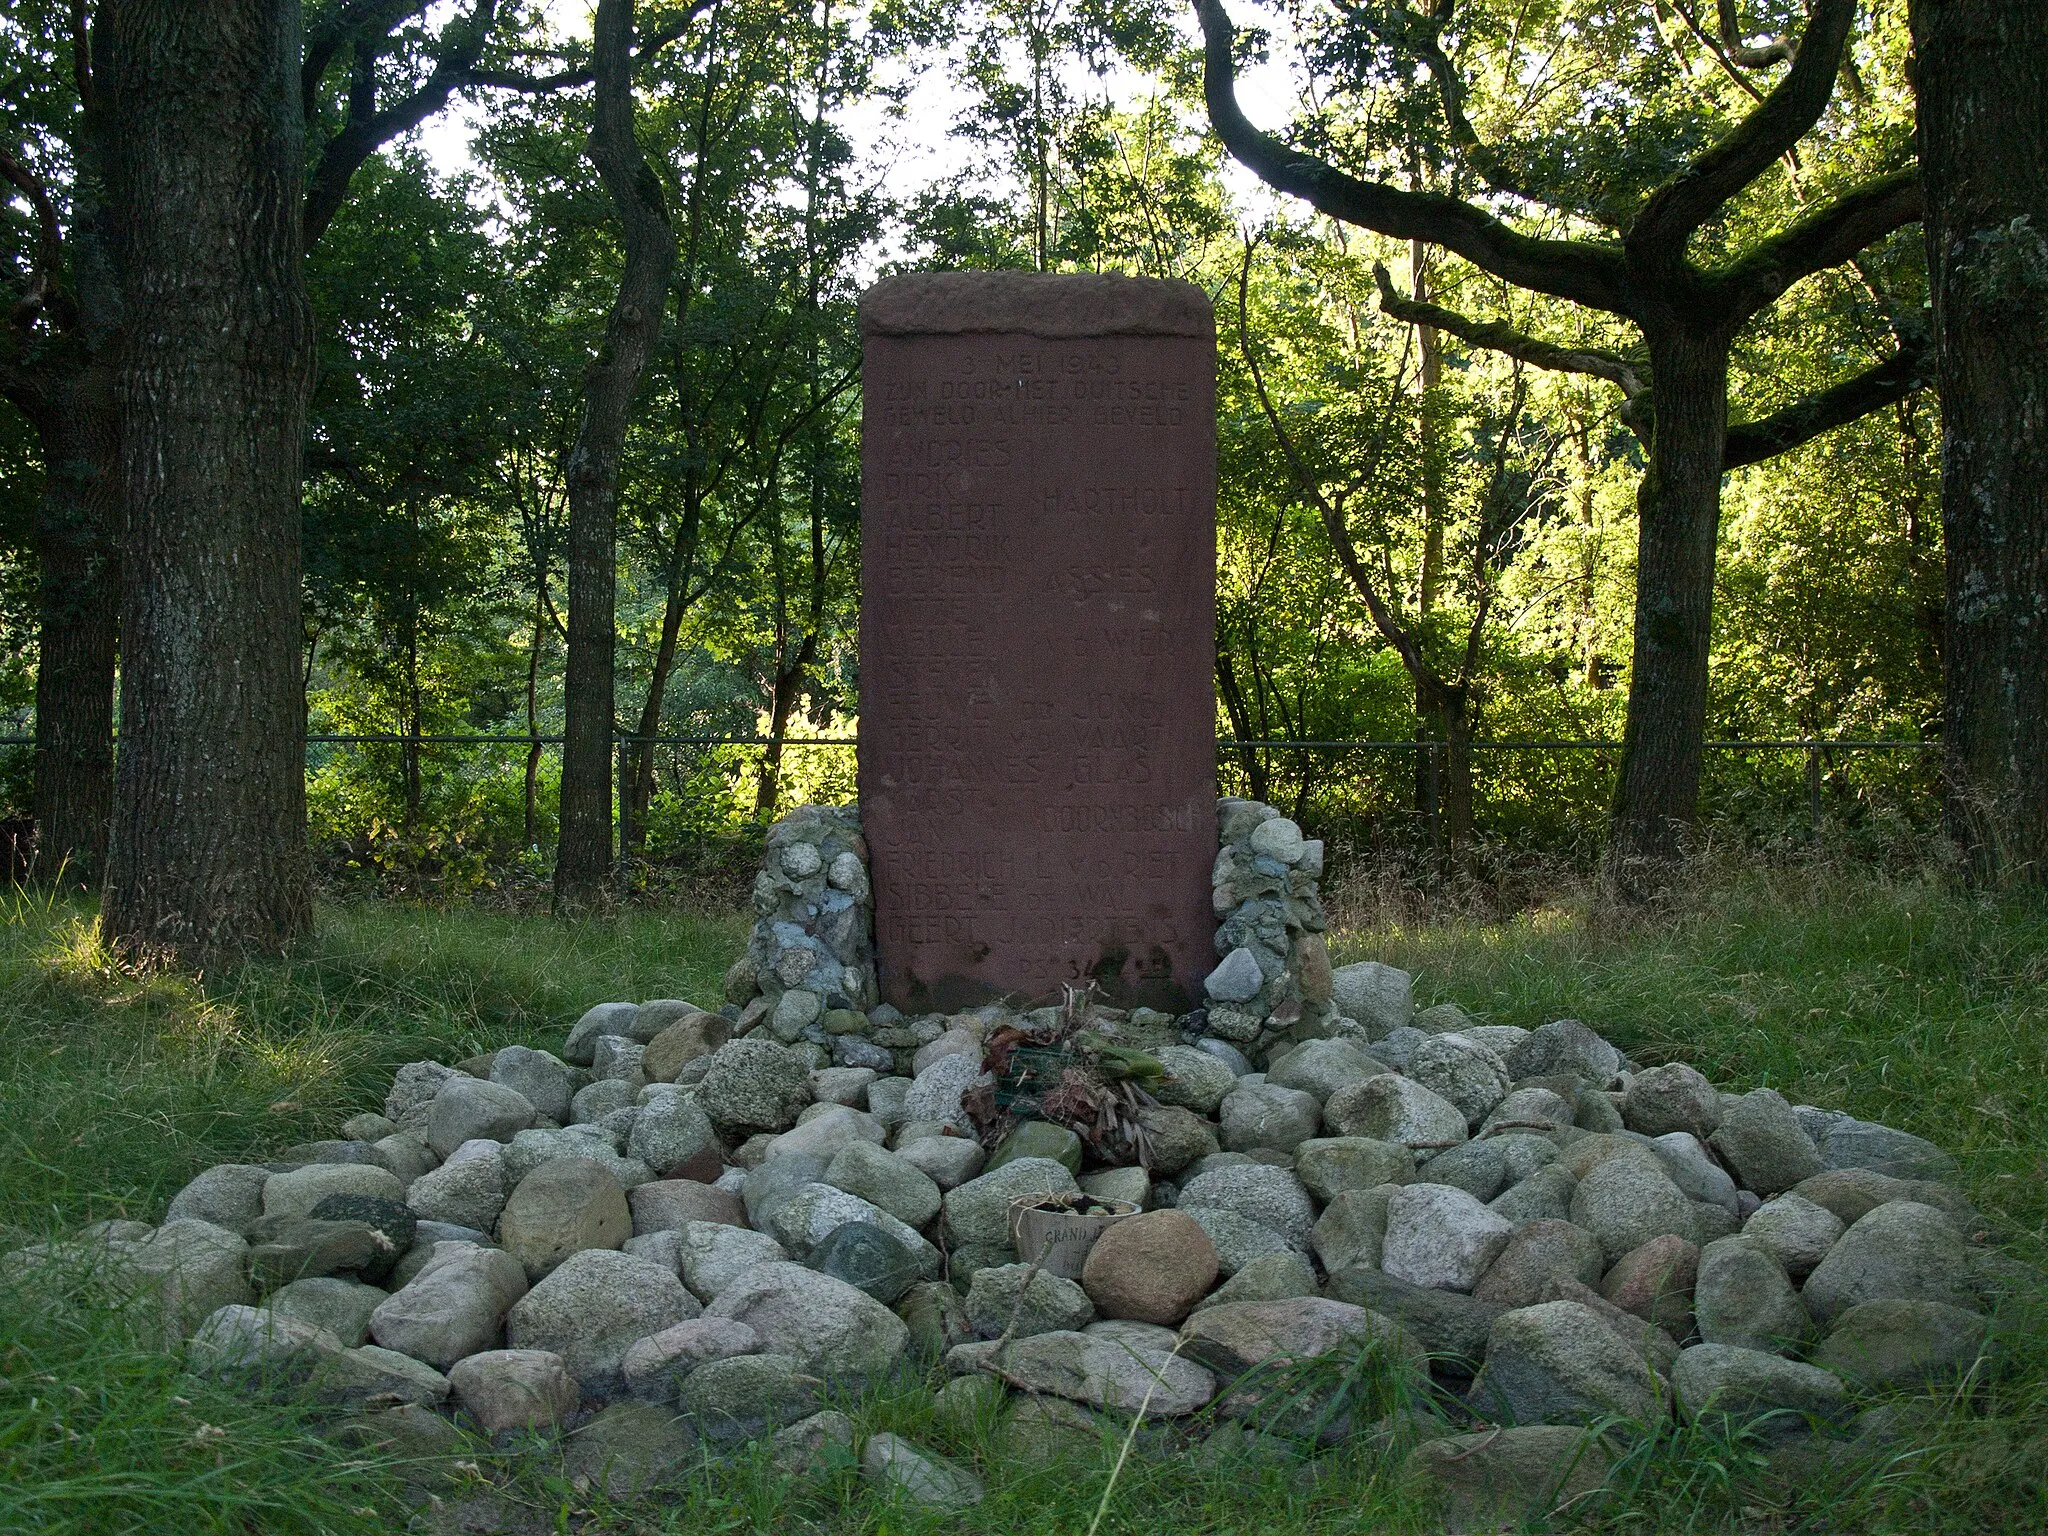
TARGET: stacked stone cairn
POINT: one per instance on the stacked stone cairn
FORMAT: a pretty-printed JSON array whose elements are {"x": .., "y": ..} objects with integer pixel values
[{"x": 688, "y": 1229}]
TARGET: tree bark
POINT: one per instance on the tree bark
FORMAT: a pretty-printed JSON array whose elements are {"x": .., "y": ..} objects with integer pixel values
[
  {"x": 584, "y": 851},
  {"x": 79, "y": 601},
  {"x": 1981, "y": 75},
  {"x": 1679, "y": 511},
  {"x": 208, "y": 856}
]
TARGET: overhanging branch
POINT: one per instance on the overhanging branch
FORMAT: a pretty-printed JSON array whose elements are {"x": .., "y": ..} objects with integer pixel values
[
  {"x": 1825, "y": 238},
  {"x": 1805, "y": 419},
  {"x": 1671, "y": 214},
  {"x": 1585, "y": 272},
  {"x": 1498, "y": 337}
]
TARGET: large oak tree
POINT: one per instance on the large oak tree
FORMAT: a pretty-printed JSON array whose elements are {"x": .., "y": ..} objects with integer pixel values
[
  {"x": 1981, "y": 75},
  {"x": 1640, "y": 262}
]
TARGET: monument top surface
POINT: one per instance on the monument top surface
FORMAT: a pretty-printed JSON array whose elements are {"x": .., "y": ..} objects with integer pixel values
[{"x": 1055, "y": 306}]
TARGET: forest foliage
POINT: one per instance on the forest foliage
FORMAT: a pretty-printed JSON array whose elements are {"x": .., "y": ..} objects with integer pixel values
[{"x": 458, "y": 309}]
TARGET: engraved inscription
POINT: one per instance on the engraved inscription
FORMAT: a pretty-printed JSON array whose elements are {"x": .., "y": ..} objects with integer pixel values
[{"x": 1037, "y": 636}]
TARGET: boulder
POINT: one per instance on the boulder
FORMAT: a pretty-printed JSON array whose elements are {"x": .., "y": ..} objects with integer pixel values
[
  {"x": 413, "y": 1087},
  {"x": 1231, "y": 1340},
  {"x": 1237, "y": 1239},
  {"x": 676, "y": 1046},
  {"x": 1565, "y": 1047},
  {"x": 1441, "y": 1237},
  {"x": 977, "y": 1213},
  {"x": 1898, "y": 1345},
  {"x": 1508, "y": 1478},
  {"x": 1761, "y": 1141},
  {"x": 1546, "y": 1193},
  {"x": 1744, "y": 1298},
  {"x": 1692, "y": 1168},
  {"x": 1152, "y": 1268},
  {"x": 1273, "y": 1197},
  {"x": 341, "y": 1306},
  {"x": 1276, "y": 1277},
  {"x": 1450, "y": 1325},
  {"x": 1533, "y": 1255},
  {"x": 809, "y": 1216},
  {"x": 1039, "y": 1138},
  {"x": 1902, "y": 1251},
  {"x": 1750, "y": 1389},
  {"x": 226, "y": 1195},
  {"x": 287, "y": 1248},
  {"x": 454, "y": 1307},
  {"x": 896, "y": 1468},
  {"x": 538, "y": 1077},
  {"x": 842, "y": 1085},
  {"x": 948, "y": 1161},
  {"x": 715, "y": 1254},
  {"x": 1196, "y": 1080},
  {"x": 809, "y": 1447},
  {"x": 1558, "y": 1362},
  {"x": 1380, "y": 997},
  {"x": 242, "y": 1341},
  {"x": 1320, "y": 1067},
  {"x": 1852, "y": 1143},
  {"x": 1625, "y": 1202},
  {"x": 999, "y": 1300},
  {"x": 629, "y": 1449},
  {"x": 867, "y": 1258},
  {"x": 560, "y": 1208},
  {"x": 1127, "y": 1186},
  {"x": 936, "y": 1316},
  {"x": 472, "y": 1109},
  {"x": 1462, "y": 1072},
  {"x": 1329, "y": 1165},
  {"x": 832, "y": 1327},
  {"x": 1660, "y": 1100},
  {"x": 676, "y": 1140},
  {"x": 1101, "y": 1371},
  {"x": 743, "y": 1397},
  {"x": 515, "y": 1389},
  {"x": 754, "y": 1085},
  {"x": 667, "y": 1205},
  {"x": 1655, "y": 1282},
  {"x": 1480, "y": 1168},
  {"x": 654, "y": 1367},
  {"x": 1795, "y": 1232},
  {"x": 1853, "y": 1193},
  {"x": 1390, "y": 1108},
  {"x": 594, "y": 1306},
  {"x": 296, "y": 1193},
  {"x": 936, "y": 1092},
  {"x": 1353, "y": 1228},
  {"x": 529, "y": 1149},
  {"x": 886, "y": 1181},
  {"x": 1178, "y": 1138}
]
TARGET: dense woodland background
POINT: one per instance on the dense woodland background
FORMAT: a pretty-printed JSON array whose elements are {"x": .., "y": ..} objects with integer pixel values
[{"x": 1428, "y": 533}]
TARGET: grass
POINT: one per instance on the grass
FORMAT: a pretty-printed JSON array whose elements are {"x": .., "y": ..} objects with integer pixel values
[{"x": 1897, "y": 1000}]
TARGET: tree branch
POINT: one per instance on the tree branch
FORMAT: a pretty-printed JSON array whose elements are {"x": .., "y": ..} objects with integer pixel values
[
  {"x": 1778, "y": 50},
  {"x": 1671, "y": 214},
  {"x": 81, "y": 54},
  {"x": 1803, "y": 420},
  {"x": 567, "y": 79},
  {"x": 1586, "y": 272},
  {"x": 1825, "y": 238},
  {"x": 1425, "y": 35},
  {"x": 339, "y": 28},
  {"x": 43, "y": 293},
  {"x": 1497, "y": 337}
]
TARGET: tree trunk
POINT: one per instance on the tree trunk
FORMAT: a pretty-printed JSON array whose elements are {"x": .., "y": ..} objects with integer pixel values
[
  {"x": 1981, "y": 74},
  {"x": 584, "y": 850},
  {"x": 79, "y": 601},
  {"x": 1679, "y": 512},
  {"x": 682, "y": 567},
  {"x": 208, "y": 854}
]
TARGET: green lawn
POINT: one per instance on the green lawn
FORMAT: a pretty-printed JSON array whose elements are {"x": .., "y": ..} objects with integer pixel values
[{"x": 1897, "y": 1001}]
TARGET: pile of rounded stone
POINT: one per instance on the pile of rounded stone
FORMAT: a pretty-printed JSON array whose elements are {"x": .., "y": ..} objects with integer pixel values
[{"x": 665, "y": 1238}]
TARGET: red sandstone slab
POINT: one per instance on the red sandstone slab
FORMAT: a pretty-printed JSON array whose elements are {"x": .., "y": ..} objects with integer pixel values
[{"x": 1037, "y": 769}]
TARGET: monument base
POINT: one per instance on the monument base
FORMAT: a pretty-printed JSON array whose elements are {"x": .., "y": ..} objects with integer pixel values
[{"x": 809, "y": 977}]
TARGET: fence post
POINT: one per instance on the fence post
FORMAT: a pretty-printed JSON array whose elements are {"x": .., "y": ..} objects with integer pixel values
[{"x": 1813, "y": 790}]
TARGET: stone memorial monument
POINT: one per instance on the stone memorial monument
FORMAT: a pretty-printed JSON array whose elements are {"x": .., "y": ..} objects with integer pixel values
[{"x": 1037, "y": 770}]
